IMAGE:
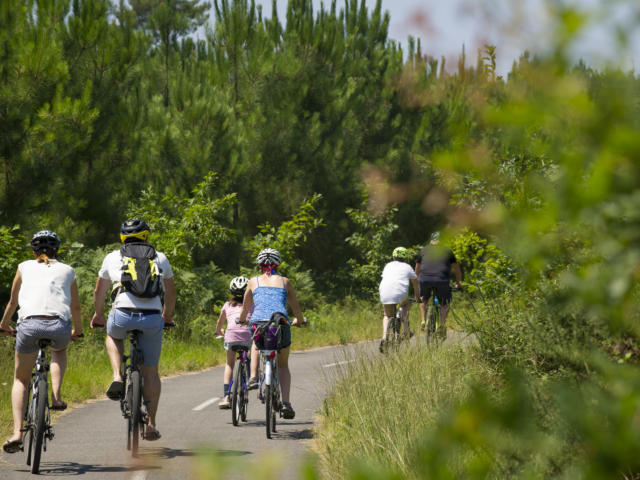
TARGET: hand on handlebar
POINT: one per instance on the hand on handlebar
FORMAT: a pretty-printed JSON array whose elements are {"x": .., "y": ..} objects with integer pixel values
[
  {"x": 8, "y": 332},
  {"x": 297, "y": 323},
  {"x": 97, "y": 321}
]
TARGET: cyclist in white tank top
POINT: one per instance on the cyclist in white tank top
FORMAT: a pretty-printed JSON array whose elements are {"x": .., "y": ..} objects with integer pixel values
[{"x": 47, "y": 294}]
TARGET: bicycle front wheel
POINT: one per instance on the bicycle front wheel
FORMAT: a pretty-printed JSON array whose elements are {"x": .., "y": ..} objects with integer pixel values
[
  {"x": 136, "y": 413},
  {"x": 235, "y": 394},
  {"x": 39, "y": 423}
]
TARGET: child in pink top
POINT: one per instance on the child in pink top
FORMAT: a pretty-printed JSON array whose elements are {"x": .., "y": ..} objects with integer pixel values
[{"x": 235, "y": 334}]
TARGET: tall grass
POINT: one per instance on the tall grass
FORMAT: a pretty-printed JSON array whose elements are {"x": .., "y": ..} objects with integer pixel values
[{"x": 381, "y": 406}]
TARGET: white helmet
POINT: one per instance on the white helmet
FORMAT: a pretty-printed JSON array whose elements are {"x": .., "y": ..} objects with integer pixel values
[
  {"x": 269, "y": 256},
  {"x": 238, "y": 285}
]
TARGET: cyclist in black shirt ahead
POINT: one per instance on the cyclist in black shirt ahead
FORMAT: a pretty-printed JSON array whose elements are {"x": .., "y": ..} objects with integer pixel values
[{"x": 434, "y": 266}]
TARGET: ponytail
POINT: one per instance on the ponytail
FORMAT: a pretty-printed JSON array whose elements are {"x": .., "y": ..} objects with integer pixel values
[{"x": 43, "y": 257}]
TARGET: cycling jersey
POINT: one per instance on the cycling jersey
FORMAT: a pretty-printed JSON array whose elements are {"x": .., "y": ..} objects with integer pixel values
[{"x": 435, "y": 263}]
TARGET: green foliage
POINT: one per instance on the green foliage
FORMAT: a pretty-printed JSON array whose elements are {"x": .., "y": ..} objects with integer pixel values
[
  {"x": 12, "y": 252},
  {"x": 372, "y": 242},
  {"x": 483, "y": 265},
  {"x": 181, "y": 224},
  {"x": 290, "y": 234}
]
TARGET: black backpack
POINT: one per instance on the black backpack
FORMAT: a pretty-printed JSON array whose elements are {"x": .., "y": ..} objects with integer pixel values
[{"x": 141, "y": 275}]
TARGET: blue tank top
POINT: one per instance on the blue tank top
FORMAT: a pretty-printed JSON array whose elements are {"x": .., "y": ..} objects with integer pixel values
[{"x": 267, "y": 301}]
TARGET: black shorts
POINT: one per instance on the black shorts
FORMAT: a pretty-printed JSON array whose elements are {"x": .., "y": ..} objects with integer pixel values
[{"x": 441, "y": 288}]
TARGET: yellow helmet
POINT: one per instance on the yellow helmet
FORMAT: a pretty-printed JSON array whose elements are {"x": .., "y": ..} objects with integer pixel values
[{"x": 134, "y": 229}]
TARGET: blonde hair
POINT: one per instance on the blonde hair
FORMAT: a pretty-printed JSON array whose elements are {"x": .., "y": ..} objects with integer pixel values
[{"x": 43, "y": 258}]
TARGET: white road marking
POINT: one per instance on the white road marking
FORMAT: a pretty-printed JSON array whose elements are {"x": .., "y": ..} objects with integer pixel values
[
  {"x": 139, "y": 475},
  {"x": 204, "y": 405},
  {"x": 344, "y": 362}
]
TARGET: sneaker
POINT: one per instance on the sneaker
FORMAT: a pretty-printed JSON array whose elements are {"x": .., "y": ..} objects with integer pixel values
[
  {"x": 254, "y": 382},
  {"x": 423, "y": 326},
  {"x": 381, "y": 347},
  {"x": 224, "y": 404},
  {"x": 287, "y": 411}
]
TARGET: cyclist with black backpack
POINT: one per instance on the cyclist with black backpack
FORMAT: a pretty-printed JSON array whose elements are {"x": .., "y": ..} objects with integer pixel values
[{"x": 140, "y": 276}]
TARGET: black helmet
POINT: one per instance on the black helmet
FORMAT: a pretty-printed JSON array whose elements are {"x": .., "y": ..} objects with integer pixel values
[
  {"x": 134, "y": 229},
  {"x": 45, "y": 240}
]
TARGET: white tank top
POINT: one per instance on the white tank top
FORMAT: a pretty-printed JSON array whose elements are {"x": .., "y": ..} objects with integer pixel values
[{"x": 45, "y": 289}]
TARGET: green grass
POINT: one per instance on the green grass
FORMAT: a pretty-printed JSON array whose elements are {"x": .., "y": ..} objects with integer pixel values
[
  {"x": 381, "y": 406},
  {"x": 88, "y": 372}
]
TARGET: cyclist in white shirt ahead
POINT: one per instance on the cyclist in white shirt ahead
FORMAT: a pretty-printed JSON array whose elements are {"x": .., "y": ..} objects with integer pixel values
[
  {"x": 47, "y": 293},
  {"x": 394, "y": 289},
  {"x": 144, "y": 312}
]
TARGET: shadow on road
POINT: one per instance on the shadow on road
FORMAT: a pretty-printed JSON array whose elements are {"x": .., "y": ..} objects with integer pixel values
[
  {"x": 53, "y": 469},
  {"x": 304, "y": 434},
  {"x": 164, "y": 452}
]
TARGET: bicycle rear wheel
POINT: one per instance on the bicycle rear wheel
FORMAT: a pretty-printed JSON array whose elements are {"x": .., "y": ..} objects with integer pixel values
[
  {"x": 136, "y": 414},
  {"x": 39, "y": 423},
  {"x": 268, "y": 400},
  {"x": 274, "y": 405},
  {"x": 235, "y": 394}
]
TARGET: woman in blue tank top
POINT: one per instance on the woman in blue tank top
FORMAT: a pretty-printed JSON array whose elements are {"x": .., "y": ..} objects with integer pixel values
[{"x": 269, "y": 293}]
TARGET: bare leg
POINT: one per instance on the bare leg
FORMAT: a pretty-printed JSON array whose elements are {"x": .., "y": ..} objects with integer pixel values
[
  {"x": 423, "y": 313},
  {"x": 151, "y": 388},
  {"x": 228, "y": 368},
  {"x": 22, "y": 375},
  {"x": 385, "y": 326},
  {"x": 389, "y": 311},
  {"x": 255, "y": 358},
  {"x": 58, "y": 367},
  {"x": 115, "y": 348},
  {"x": 284, "y": 375}
]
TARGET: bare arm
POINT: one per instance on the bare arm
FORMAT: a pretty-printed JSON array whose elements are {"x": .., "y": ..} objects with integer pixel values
[
  {"x": 293, "y": 301},
  {"x": 457, "y": 272},
  {"x": 169, "y": 300},
  {"x": 247, "y": 302},
  {"x": 13, "y": 303},
  {"x": 221, "y": 319},
  {"x": 417, "y": 270},
  {"x": 76, "y": 315},
  {"x": 99, "y": 295},
  {"x": 416, "y": 289}
]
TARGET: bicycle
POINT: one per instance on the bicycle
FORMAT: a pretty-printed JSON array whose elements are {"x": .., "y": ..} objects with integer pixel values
[
  {"x": 37, "y": 418},
  {"x": 132, "y": 405},
  {"x": 267, "y": 337},
  {"x": 435, "y": 328},
  {"x": 239, "y": 387},
  {"x": 393, "y": 337}
]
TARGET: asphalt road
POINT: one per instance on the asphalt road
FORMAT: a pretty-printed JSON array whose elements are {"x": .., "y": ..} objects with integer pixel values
[{"x": 90, "y": 439}]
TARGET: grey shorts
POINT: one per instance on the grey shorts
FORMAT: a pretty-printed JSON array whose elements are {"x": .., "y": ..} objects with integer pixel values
[
  {"x": 150, "y": 340},
  {"x": 30, "y": 330},
  {"x": 230, "y": 345}
]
